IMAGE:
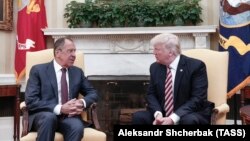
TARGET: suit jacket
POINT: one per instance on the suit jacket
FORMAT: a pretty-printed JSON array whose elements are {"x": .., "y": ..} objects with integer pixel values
[
  {"x": 190, "y": 88},
  {"x": 41, "y": 92}
]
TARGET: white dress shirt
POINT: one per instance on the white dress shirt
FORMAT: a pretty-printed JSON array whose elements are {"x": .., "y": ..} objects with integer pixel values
[{"x": 173, "y": 67}]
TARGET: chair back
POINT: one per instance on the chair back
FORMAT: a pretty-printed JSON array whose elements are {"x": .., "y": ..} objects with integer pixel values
[
  {"x": 47, "y": 55},
  {"x": 44, "y": 56},
  {"x": 217, "y": 71}
]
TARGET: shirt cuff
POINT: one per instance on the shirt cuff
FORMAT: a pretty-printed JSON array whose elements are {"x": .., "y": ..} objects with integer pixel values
[
  {"x": 175, "y": 118},
  {"x": 84, "y": 103},
  {"x": 157, "y": 113},
  {"x": 57, "y": 109},
  {"x": 234, "y": 3}
]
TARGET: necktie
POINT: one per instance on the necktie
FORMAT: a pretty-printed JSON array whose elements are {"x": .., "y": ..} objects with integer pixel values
[
  {"x": 168, "y": 106},
  {"x": 64, "y": 86}
]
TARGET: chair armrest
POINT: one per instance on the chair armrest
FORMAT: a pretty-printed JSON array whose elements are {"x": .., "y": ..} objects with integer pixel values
[
  {"x": 25, "y": 122},
  {"x": 223, "y": 108},
  {"x": 92, "y": 113},
  {"x": 94, "y": 117},
  {"x": 218, "y": 110},
  {"x": 22, "y": 105}
]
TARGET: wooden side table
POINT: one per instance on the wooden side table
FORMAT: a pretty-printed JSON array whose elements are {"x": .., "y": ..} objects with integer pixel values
[
  {"x": 13, "y": 90},
  {"x": 245, "y": 109},
  {"x": 245, "y": 114},
  {"x": 245, "y": 94}
]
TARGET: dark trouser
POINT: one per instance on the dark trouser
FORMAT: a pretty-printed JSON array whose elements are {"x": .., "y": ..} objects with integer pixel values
[
  {"x": 47, "y": 123},
  {"x": 145, "y": 117},
  {"x": 142, "y": 117},
  {"x": 193, "y": 118}
]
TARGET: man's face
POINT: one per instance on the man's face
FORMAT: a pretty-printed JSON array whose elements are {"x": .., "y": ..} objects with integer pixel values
[
  {"x": 162, "y": 54},
  {"x": 66, "y": 55}
]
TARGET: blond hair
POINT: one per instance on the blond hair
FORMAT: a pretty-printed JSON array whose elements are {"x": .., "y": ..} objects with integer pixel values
[{"x": 170, "y": 41}]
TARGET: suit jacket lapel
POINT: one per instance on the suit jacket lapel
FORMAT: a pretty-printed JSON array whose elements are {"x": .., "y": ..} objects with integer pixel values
[
  {"x": 52, "y": 78},
  {"x": 162, "y": 78},
  {"x": 179, "y": 75}
]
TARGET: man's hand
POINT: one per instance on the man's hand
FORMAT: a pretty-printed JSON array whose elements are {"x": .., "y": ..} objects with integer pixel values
[
  {"x": 77, "y": 108},
  {"x": 167, "y": 121},
  {"x": 158, "y": 119},
  {"x": 67, "y": 107},
  {"x": 72, "y": 107},
  {"x": 163, "y": 121}
]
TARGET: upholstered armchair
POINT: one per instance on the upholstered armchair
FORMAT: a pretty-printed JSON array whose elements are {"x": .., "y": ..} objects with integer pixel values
[
  {"x": 90, "y": 115},
  {"x": 217, "y": 70}
]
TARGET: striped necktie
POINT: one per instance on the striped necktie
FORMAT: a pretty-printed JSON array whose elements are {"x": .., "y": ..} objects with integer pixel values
[{"x": 169, "y": 104}]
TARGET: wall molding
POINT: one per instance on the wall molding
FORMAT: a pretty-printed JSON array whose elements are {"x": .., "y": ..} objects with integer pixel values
[{"x": 131, "y": 39}]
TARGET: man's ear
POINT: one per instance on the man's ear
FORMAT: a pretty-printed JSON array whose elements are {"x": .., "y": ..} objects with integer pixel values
[{"x": 171, "y": 53}]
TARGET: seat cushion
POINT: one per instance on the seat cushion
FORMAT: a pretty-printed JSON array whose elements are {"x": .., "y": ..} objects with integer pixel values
[
  {"x": 90, "y": 134},
  {"x": 32, "y": 137}
]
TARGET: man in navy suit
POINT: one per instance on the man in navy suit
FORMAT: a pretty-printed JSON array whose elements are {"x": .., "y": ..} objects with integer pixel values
[
  {"x": 47, "y": 113},
  {"x": 189, "y": 85}
]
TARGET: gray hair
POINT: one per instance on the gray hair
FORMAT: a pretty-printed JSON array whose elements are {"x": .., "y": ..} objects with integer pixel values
[
  {"x": 170, "y": 41},
  {"x": 59, "y": 43}
]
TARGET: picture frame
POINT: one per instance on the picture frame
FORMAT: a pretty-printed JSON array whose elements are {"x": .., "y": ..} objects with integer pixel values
[{"x": 6, "y": 14}]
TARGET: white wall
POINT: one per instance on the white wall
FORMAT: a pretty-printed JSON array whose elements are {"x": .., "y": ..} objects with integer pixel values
[
  {"x": 55, "y": 10},
  {"x": 7, "y": 128}
]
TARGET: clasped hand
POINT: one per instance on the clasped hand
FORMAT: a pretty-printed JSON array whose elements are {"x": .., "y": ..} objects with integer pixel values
[
  {"x": 72, "y": 108},
  {"x": 159, "y": 120}
]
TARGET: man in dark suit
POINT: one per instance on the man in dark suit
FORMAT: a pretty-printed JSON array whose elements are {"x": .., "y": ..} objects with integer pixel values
[
  {"x": 48, "y": 112},
  {"x": 177, "y": 92}
]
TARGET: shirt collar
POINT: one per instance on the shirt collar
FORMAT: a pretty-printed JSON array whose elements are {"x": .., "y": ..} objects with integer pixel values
[
  {"x": 174, "y": 64},
  {"x": 57, "y": 66}
]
